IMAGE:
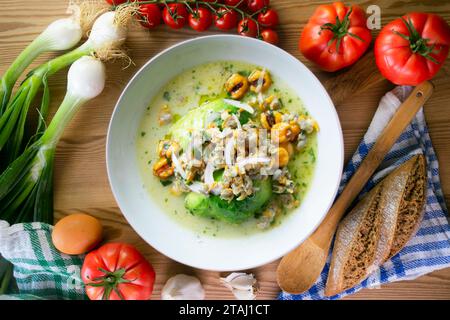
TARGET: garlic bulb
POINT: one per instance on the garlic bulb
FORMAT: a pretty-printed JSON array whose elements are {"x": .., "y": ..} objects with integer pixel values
[
  {"x": 183, "y": 287},
  {"x": 242, "y": 285}
]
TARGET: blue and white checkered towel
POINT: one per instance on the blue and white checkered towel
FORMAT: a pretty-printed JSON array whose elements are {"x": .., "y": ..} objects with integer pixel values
[{"x": 429, "y": 249}]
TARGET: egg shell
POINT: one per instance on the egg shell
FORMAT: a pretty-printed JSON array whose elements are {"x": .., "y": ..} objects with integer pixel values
[{"x": 77, "y": 233}]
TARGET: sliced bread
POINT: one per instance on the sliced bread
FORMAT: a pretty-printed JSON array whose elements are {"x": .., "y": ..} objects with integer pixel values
[
  {"x": 379, "y": 226},
  {"x": 404, "y": 191},
  {"x": 356, "y": 243}
]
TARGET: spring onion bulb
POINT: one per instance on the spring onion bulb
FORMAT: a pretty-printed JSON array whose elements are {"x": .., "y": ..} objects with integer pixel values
[
  {"x": 107, "y": 35},
  {"x": 59, "y": 35},
  {"x": 26, "y": 188}
]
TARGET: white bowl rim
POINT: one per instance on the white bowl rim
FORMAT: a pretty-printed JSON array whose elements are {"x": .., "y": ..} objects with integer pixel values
[{"x": 333, "y": 111}]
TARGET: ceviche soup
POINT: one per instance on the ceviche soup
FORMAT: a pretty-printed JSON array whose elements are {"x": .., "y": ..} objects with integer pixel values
[{"x": 227, "y": 149}]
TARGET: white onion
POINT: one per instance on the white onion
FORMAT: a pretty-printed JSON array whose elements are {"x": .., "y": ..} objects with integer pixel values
[
  {"x": 105, "y": 33},
  {"x": 178, "y": 166},
  {"x": 238, "y": 124},
  {"x": 240, "y": 105},
  {"x": 86, "y": 78},
  {"x": 62, "y": 34},
  {"x": 197, "y": 187},
  {"x": 209, "y": 174},
  {"x": 260, "y": 82},
  {"x": 260, "y": 97},
  {"x": 229, "y": 149}
]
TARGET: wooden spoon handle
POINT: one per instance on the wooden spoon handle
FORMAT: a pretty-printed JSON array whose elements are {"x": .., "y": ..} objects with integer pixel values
[{"x": 404, "y": 115}]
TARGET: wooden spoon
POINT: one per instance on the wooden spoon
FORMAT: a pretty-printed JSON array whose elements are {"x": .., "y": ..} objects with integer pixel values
[{"x": 299, "y": 269}]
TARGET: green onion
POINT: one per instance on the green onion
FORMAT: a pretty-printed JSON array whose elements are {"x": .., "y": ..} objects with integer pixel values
[
  {"x": 6, "y": 274},
  {"x": 107, "y": 34},
  {"x": 26, "y": 187},
  {"x": 61, "y": 34}
]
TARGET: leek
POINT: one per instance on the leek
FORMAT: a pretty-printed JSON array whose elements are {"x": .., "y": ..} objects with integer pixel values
[
  {"x": 107, "y": 34},
  {"x": 26, "y": 187}
]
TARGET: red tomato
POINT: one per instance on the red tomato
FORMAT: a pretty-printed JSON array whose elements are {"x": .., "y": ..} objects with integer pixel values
[
  {"x": 116, "y": 2},
  {"x": 412, "y": 49},
  {"x": 270, "y": 36},
  {"x": 335, "y": 36},
  {"x": 150, "y": 15},
  {"x": 175, "y": 15},
  {"x": 201, "y": 19},
  {"x": 226, "y": 19},
  {"x": 248, "y": 28},
  {"x": 256, "y": 5},
  {"x": 268, "y": 18},
  {"x": 233, "y": 3},
  {"x": 117, "y": 271}
]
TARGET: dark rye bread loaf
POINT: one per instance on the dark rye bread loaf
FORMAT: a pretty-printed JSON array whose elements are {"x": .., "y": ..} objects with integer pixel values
[{"x": 379, "y": 226}]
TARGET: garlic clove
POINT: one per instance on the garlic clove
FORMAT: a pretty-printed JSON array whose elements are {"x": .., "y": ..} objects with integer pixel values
[
  {"x": 244, "y": 294},
  {"x": 242, "y": 285},
  {"x": 183, "y": 287}
]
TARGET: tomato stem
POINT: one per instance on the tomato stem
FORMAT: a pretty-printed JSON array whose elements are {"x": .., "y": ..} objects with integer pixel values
[
  {"x": 340, "y": 30},
  {"x": 417, "y": 43},
  {"x": 110, "y": 280}
]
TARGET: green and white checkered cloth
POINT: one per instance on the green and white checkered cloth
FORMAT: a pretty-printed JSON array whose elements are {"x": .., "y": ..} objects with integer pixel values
[{"x": 40, "y": 270}]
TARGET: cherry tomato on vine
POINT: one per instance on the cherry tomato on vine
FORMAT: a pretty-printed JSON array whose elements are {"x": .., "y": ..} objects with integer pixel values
[
  {"x": 235, "y": 3},
  {"x": 270, "y": 36},
  {"x": 256, "y": 5},
  {"x": 175, "y": 15},
  {"x": 248, "y": 28},
  {"x": 226, "y": 19},
  {"x": 268, "y": 18},
  {"x": 200, "y": 19},
  {"x": 116, "y": 2},
  {"x": 150, "y": 15}
]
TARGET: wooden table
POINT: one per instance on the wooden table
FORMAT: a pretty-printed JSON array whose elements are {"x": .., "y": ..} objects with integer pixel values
[{"x": 81, "y": 184}]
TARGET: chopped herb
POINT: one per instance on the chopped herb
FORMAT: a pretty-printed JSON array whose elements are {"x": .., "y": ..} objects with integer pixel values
[
  {"x": 218, "y": 122},
  {"x": 244, "y": 73},
  {"x": 143, "y": 133},
  {"x": 166, "y": 95},
  {"x": 311, "y": 153},
  {"x": 290, "y": 100},
  {"x": 165, "y": 182},
  {"x": 244, "y": 117},
  {"x": 176, "y": 117}
]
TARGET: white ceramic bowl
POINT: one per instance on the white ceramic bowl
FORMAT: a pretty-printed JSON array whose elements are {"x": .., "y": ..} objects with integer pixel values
[{"x": 170, "y": 237}]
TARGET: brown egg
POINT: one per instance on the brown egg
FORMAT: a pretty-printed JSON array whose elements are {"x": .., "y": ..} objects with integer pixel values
[{"x": 77, "y": 233}]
